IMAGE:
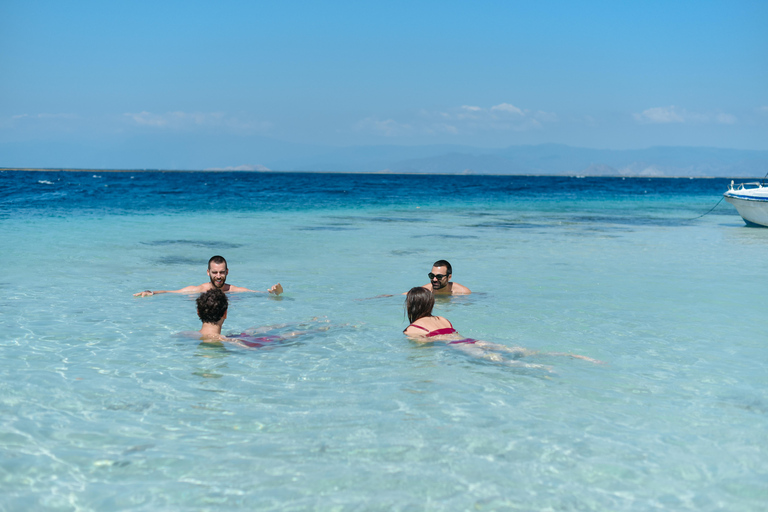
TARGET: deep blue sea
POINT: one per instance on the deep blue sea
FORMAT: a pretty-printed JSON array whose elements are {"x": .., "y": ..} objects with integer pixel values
[{"x": 105, "y": 406}]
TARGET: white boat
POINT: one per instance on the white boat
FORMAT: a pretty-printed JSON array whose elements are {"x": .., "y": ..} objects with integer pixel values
[{"x": 751, "y": 201}]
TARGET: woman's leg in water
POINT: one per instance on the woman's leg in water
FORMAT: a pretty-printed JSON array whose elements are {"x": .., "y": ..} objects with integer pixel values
[
  {"x": 522, "y": 352},
  {"x": 485, "y": 350}
]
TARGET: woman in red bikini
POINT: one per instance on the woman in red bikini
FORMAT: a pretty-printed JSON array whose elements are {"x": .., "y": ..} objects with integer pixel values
[
  {"x": 425, "y": 327},
  {"x": 419, "y": 303}
]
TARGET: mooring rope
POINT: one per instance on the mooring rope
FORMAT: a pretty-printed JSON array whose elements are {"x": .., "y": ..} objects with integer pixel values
[{"x": 710, "y": 210}]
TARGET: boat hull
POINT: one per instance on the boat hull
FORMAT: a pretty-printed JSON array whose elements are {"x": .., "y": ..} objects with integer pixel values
[{"x": 754, "y": 210}]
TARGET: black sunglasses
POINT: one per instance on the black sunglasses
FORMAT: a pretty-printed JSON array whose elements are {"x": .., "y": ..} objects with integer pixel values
[{"x": 439, "y": 277}]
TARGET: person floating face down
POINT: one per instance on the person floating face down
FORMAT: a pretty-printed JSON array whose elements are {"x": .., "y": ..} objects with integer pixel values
[
  {"x": 440, "y": 280},
  {"x": 217, "y": 272}
]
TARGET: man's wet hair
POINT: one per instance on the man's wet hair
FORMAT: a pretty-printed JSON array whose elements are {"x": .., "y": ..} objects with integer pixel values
[
  {"x": 443, "y": 263},
  {"x": 419, "y": 303},
  {"x": 217, "y": 260},
  {"x": 212, "y": 305}
]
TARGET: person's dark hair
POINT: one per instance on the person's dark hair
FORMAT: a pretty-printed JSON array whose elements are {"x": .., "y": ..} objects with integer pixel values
[
  {"x": 218, "y": 260},
  {"x": 443, "y": 263},
  {"x": 419, "y": 303},
  {"x": 212, "y": 305}
]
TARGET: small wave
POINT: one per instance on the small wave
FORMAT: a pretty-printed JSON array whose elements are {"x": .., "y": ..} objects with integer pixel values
[{"x": 45, "y": 182}]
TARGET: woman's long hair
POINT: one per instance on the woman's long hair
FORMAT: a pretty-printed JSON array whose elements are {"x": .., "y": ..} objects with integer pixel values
[{"x": 419, "y": 303}]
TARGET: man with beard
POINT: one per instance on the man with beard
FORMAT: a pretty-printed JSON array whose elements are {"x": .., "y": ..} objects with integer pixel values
[
  {"x": 217, "y": 271},
  {"x": 440, "y": 280}
]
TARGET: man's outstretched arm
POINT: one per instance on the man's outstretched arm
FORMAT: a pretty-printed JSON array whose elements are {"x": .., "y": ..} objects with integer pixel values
[
  {"x": 276, "y": 289},
  {"x": 188, "y": 289}
]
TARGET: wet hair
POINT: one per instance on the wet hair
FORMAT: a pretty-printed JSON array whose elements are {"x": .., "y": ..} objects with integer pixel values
[
  {"x": 419, "y": 303},
  {"x": 443, "y": 263},
  {"x": 219, "y": 260},
  {"x": 212, "y": 305}
]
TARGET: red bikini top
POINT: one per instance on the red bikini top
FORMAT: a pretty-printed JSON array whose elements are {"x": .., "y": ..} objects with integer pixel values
[{"x": 436, "y": 332}]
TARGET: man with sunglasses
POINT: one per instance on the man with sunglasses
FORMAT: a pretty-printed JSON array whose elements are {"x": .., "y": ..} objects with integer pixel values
[
  {"x": 217, "y": 272},
  {"x": 440, "y": 280}
]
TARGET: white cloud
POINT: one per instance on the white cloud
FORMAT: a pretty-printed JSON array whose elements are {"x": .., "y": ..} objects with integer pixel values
[
  {"x": 42, "y": 121},
  {"x": 191, "y": 120},
  {"x": 504, "y": 117},
  {"x": 662, "y": 115},
  {"x": 44, "y": 116},
  {"x": 442, "y": 128},
  {"x": 147, "y": 118},
  {"x": 463, "y": 119},
  {"x": 673, "y": 114},
  {"x": 387, "y": 127},
  {"x": 175, "y": 119},
  {"x": 506, "y": 107},
  {"x": 726, "y": 118},
  {"x": 545, "y": 117}
]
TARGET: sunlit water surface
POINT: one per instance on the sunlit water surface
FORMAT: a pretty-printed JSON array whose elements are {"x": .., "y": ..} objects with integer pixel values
[{"x": 105, "y": 408}]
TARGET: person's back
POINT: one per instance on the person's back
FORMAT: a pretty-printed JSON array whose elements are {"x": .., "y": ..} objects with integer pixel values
[
  {"x": 430, "y": 327},
  {"x": 212, "y": 308},
  {"x": 419, "y": 303}
]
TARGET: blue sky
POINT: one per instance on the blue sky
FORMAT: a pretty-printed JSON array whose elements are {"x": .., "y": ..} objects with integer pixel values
[{"x": 125, "y": 84}]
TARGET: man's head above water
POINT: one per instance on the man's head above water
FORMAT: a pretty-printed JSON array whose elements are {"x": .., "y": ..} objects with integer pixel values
[
  {"x": 217, "y": 271},
  {"x": 440, "y": 280},
  {"x": 440, "y": 275}
]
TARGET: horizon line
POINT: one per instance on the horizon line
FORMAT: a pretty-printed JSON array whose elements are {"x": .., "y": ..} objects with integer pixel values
[{"x": 78, "y": 169}]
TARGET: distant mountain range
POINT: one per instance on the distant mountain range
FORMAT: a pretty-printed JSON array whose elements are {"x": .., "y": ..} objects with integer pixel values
[
  {"x": 221, "y": 152},
  {"x": 546, "y": 159}
]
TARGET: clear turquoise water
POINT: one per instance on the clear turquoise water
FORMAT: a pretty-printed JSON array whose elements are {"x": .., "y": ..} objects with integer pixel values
[{"x": 105, "y": 408}]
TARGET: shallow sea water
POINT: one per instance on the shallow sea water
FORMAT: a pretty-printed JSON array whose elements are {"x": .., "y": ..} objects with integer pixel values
[{"x": 105, "y": 408}]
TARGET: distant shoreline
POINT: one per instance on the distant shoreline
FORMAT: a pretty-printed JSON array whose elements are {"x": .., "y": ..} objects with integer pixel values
[{"x": 61, "y": 169}]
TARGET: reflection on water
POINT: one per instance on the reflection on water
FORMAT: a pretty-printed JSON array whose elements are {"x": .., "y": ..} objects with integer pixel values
[{"x": 745, "y": 235}]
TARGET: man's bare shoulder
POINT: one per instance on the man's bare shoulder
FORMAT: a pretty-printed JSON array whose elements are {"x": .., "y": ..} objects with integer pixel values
[
  {"x": 192, "y": 289},
  {"x": 460, "y": 289},
  {"x": 213, "y": 338},
  {"x": 196, "y": 289}
]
